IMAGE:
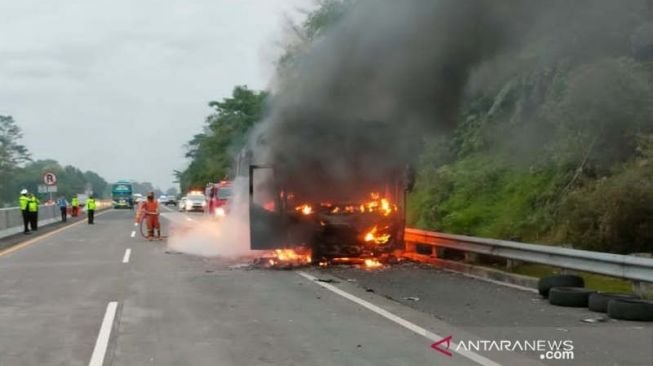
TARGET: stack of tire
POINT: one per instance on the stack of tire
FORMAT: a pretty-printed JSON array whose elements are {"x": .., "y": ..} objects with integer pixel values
[{"x": 569, "y": 290}]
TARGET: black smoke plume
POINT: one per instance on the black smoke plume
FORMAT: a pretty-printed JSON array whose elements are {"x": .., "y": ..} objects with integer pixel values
[{"x": 388, "y": 74}]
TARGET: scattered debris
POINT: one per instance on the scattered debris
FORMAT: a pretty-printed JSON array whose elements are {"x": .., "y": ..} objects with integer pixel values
[
  {"x": 563, "y": 330},
  {"x": 328, "y": 280},
  {"x": 595, "y": 319},
  {"x": 411, "y": 298},
  {"x": 209, "y": 271},
  {"x": 351, "y": 280},
  {"x": 359, "y": 345},
  {"x": 369, "y": 290},
  {"x": 240, "y": 266}
]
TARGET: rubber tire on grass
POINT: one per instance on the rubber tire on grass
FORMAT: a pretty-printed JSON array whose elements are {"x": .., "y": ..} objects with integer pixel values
[
  {"x": 565, "y": 280},
  {"x": 576, "y": 297},
  {"x": 598, "y": 301},
  {"x": 631, "y": 309}
]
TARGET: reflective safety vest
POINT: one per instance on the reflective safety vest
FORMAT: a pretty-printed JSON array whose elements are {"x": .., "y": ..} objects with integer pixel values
[
  {"x": 23, "y": 200},
  {"x": 90, "y": 204},
  {"x": 33, "y": 204},
  {"x": 74, "y": 202}
]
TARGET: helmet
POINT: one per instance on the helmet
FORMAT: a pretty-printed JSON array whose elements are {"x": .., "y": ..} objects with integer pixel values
[{"x": 24, "y": 191}]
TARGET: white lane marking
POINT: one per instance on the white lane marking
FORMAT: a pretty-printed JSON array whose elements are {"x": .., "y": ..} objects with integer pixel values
[
  {"x": 401, "y": 321},
  {"x": 97, "y": 358},
  {"x": 133, "y": 233},
  {"x": 125, "y": 258}
]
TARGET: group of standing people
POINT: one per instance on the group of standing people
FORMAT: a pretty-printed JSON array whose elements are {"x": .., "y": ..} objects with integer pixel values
[{"x": 29, "y": 207}]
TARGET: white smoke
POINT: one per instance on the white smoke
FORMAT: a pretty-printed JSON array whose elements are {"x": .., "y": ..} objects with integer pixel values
[{"x": 210, "y": 237}]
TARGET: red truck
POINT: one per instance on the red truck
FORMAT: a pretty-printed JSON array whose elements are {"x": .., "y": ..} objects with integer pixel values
[{"x": 217, "y": 198}]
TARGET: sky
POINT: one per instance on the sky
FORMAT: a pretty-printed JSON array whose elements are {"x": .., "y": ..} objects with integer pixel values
[{"x": 119, "y": 86}]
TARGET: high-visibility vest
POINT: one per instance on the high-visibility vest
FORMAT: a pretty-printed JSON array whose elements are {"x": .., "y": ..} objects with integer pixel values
[
  {"x": 33, "y": 204},
  {"x": 90, "y": 204},
  {"x": 23, "y": 200},
  {"x": 74, "y": 202}
]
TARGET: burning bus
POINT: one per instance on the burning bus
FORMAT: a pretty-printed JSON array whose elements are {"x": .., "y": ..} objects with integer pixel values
[{"x": 336, "y": 213}]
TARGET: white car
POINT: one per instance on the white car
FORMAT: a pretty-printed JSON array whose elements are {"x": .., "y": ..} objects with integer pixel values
[{"x": 195, "y": 201}]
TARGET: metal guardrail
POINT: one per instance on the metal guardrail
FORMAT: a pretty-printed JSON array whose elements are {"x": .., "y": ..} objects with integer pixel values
[
  {"x": 11, "y": 219},
  {"x": 615, "y": 265}
]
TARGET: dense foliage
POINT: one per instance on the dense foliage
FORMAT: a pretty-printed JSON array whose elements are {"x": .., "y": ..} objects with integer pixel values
[
  {"x": 212, "y": 151},
  {"x": 557, "y": 153}
]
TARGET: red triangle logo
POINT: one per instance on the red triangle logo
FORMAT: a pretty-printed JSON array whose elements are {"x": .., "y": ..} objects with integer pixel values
[{"x": 438, "y": 346}]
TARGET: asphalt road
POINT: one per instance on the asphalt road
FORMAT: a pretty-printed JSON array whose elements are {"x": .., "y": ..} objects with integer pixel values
[{"x": 100, "y": 294}]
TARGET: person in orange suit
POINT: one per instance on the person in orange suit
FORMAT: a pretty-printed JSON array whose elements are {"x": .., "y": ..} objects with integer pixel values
[{"x": 149, "y": 211}]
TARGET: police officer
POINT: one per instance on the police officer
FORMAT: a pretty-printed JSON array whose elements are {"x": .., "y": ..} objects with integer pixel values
[
  {"x": 63, "y": 207},
  {"x": 90, "y": 209},
  {"x": 23, "y": 203},
  {"x": 74, "y": 203},
  {"x": 33, "y": 211}
]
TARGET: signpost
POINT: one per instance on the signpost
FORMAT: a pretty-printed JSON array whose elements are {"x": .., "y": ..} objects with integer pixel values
[{"x": 50, "y": 180}]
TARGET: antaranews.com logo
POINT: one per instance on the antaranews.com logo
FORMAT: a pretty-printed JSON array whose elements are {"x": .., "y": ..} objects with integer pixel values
[{"x": 547, "y": 349}]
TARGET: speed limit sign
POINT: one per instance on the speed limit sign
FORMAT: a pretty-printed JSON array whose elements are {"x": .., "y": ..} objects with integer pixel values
[{"x": 49, "y": 178}]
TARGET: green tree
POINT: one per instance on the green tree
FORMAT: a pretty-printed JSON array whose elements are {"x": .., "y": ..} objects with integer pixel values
[
  {"x": 302, "y": 36},
  {"x": 70, "y": 180},
  {"x": 211, "y": 152},
  {"x": 12, "y": 154}
]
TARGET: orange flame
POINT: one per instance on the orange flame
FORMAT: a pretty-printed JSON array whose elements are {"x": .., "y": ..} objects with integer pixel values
[
  {"x": 289, "y": 257},
  {"x": 305, "y": 209},
  {"x": 372, "y": 263},
  {"x": 373, "y": 236}
]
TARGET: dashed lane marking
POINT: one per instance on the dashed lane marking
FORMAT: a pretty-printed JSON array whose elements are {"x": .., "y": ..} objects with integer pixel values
[
  {"x": 100, "y": 350},
  {"x": 125, "y": 258}
]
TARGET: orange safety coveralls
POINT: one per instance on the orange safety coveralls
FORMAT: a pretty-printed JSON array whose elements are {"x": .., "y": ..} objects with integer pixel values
[{"x": 151, "y": 211}]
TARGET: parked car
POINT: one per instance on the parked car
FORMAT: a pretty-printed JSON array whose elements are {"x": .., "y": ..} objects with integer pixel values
[{"x": 195, "y": 201}]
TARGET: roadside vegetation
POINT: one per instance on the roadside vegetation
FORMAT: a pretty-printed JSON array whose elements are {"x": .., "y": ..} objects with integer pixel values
[{"x": 18, "y": 170}]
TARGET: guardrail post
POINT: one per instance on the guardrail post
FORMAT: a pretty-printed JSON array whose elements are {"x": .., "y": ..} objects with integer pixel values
[
  {"x": 471, "y": 257},
  {"x": 512, "y": 264},
  {"x": 643, "y": 289},
  {"x": 410, "y": 247}
]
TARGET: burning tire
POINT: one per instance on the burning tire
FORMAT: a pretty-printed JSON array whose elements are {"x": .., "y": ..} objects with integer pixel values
[
  {"x": 598, "y": 301},
  {"x": 631, "y": 309},
  {"x": 576, "y": 297},
  {"x": 547, "y": 283}
]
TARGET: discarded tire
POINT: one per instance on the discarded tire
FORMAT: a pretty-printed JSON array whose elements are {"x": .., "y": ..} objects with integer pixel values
[
  {"x": 631, "y": 309},
  {"x": 546, "y": 283},
  {"x": 577, "y": 297},
  {"x": 598, "y": 301}
]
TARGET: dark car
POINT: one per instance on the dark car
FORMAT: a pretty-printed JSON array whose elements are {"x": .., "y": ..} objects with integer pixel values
[{"x": 170, "y": 200}]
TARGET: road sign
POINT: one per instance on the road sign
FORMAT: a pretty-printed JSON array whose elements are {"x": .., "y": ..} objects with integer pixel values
[
  {"x": 47, "y": 189},
  {"x": 49, "y": 178}
]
